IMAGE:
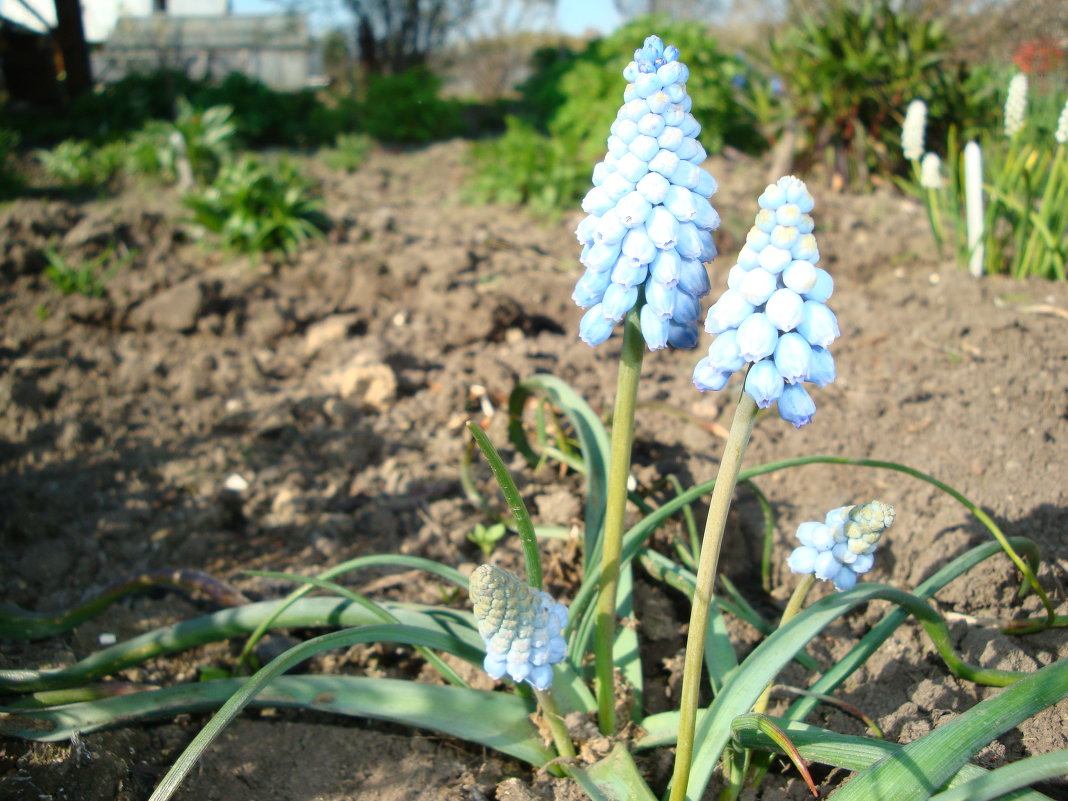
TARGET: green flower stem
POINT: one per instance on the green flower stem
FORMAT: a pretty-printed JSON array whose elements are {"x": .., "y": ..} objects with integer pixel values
[
  {"x": 630, "y": 367},
  {"x": 793, "y": 606},
  {"x": 741, "y": 428},
  {"x": 561, "y": 737}
]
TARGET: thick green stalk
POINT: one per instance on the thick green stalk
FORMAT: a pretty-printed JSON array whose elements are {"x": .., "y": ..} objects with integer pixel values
[
  {"x": 741, "y": 428},
  {"x": 551, "y": 712},
  {"x": 630, "y": 367},
  {"x": 793, "y": 606}
]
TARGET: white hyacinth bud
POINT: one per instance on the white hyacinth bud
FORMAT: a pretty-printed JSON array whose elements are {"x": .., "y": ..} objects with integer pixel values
[
  {"x": 931, "y": 171},
  {"x": 914, "y": 130},
  {"x": 1016, "y": 105}
]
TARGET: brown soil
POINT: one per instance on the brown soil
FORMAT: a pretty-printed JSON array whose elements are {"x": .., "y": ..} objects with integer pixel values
[{"x": 336, "y": 387}]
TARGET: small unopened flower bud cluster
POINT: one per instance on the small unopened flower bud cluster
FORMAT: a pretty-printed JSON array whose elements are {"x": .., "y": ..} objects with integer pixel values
[
  {"x": 648, "y": 217},
  {"x": 1061, "y": 134},
  {"x": 1016, "y": 105},
  {"x": 843, "y": 546},
  {"x": 914, "y": 130},
  {"x": 774, "y": 311},
  {"x": 522, "y": 627},
  {"x": 931, "y": 171}
]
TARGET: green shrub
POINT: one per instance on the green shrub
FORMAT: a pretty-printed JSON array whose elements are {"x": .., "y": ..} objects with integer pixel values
[
  {"x": 573, "y": 99},
  {"x": 408, "y": 108},
  {"x": 848, "y": 69},
  {"x": 205, "y": 135},
  {"x": 77, "y": 164},
  {"x": 257, "y": 208}
]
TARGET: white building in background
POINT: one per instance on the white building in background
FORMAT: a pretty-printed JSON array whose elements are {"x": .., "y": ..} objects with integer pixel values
[
  {"x": 201, "y": 38},
  {"x": 100, "y": 16}
]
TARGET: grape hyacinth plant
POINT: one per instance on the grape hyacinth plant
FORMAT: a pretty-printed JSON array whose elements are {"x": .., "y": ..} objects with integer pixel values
[
  {"x": 648, "y": 226},
  {"x": 773, "y": 314},
  {"x": 556, "y": 668}
]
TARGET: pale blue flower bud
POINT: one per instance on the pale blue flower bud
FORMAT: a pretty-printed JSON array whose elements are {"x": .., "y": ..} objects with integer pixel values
[
  {"x": 666, "y": 268},
  {"x": 660, "y": 298},
  {"x": 687, "y": 308},
  {"x": 728, "y": 312},
  {"x": 662, "y": 228},
  {"x": 594, "y": 327},
  {"x": 644, "y": 147},
  {"x": 788, "y": 215},
  {"x": 723, "y": 355},
  {"x": 617, "y": 187},
  {"x": 826, "y": 566},
  {"x": 802, "y": 560},
  {"x": 706, "y": 184},
  {"x": 651, "y": 124},
  {"x": 629, "y": 273},
  {"x": 845, "y": 579},
  {"x": 784, "y": 308},
  {"x": 773, "y": 197},
  {"x": 708, "y": 246},
  {"x": 655, "y": 328},
  {"x": 823, "y": 289},
  {"x": 638, "y": 246},
  {"x": 590, "y": 288},
  {"x": 800, "y": 276},
  {"x": 735, "y": 276},
  {"x": 584, "y": 231},
  {"x": 757, "y": 337},
  {"x": 842, "y": 547},
  {"x": 633, "y": 210},
  {"x": 670, "y": 139},
  {"x": 690, "y": 245},
  {"x": 679, "y": 201},
  {"x": 757, "y": 238},
  {"x": 521, "y": 627},
  {"x": 610, "y": 230},
  {"x": 633, "y": 110},
  {"x": 821, "y": 370},
  {"x": 683, "y": 336},
  {"x": 748, "y": 257},
  {"x": 597, "y": 201},
  {"x": 764, "y": 384},
  {"x": 818, "y": 324},
  {"x": 665, "y": 163},
  {"x": 617, "y": 301},
  {"x": 757, "y": 286},
  {"x": 784, "y": 236},
  {"x": 774, "y": 259},
  {"x": 693, "y": 279},
  {"x": 765, "y": 221},
  {"x": 805, "y": 248},
  {"x": 795, "y": 405},
  {"x": 601, "y": 256},
  {"x": 707, "y": 378},
  {"x": 816, "y": 535},
  {"x": 625, "y": 130},
  {"x": 686, "y": 174},
  {"x": 793, "y": 357}
]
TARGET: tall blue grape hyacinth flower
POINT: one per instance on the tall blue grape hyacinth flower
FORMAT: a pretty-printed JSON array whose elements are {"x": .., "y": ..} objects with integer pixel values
[
  {"x": 773, "y": 313},
  {"x": 648, "y": 227},
  {"x": 842, "y": 547},
  {"x": 521, "y": 627}
]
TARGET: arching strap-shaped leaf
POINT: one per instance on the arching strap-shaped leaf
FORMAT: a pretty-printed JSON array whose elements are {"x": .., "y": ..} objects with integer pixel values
[
  {"x": 926, "y": 764},
  {"x": 389, "y": 632},
  {"x": 307, "y": 612},
  {"x": 593, "y": 440},
  {"x": 501, "y": 723},
  {"x": 614, "y": 778},
  {"x": 858, "y": 753}
]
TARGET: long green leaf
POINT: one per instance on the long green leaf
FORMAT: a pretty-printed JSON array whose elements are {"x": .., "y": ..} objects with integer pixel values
[
  {"x": 848, "y": 751},
  {"x": 339, "y": 639},
  {"x": 926, "y": 764},
  {"x": 593, "y": 441},
  {"x": 1001, "y": 782},
  {"x": 626, "y": 655},
  {"x": 614, "y": 778},
  {"x": 764, "y": 663},
  {"x": 462, "y": 640},
  {"x": 501, "y": 722}
]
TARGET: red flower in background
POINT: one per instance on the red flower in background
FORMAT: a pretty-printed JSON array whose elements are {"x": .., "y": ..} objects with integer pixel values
[{"x": 1038, "y": 56}]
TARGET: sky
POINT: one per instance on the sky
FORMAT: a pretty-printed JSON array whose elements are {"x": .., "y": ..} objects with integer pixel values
[{"x": 572, "y": 16}]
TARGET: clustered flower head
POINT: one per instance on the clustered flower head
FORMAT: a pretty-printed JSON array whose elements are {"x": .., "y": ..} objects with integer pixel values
[
  {"x": 914, "y": 130},
  {"x": 1016, "y": 105},
  {"x": 522, "y": 627},
  {"x": 774, "y": 311},
  {"x": 931, "y": 171},
  {"x": 648, "y": 227},
  {"x": 1061, "y": 134},
  {"x": 842, "y": 547}
]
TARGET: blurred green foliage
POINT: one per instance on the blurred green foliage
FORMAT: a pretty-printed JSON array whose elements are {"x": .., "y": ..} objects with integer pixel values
[
  {"x": 545, "y": 156},
  {"x": 204, "y": 137},
  {"x": 408, "y": 108},
  {"x": 848, "y": 69},
  {"x": 86, "y": 279},
  {"x": 77, "y": 164},
  {"x": 256, "y": 208},
  {"x": 348, "y": 153}
]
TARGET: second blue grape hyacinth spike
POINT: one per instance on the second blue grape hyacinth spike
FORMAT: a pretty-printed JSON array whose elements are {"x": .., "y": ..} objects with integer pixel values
[
  {"x": 647, "y": 233},
  {"x": 774, "y": 313}
]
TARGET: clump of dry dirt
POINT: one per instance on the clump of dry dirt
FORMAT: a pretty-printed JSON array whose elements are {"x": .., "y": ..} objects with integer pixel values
[{"x": 208, "y": 414}]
